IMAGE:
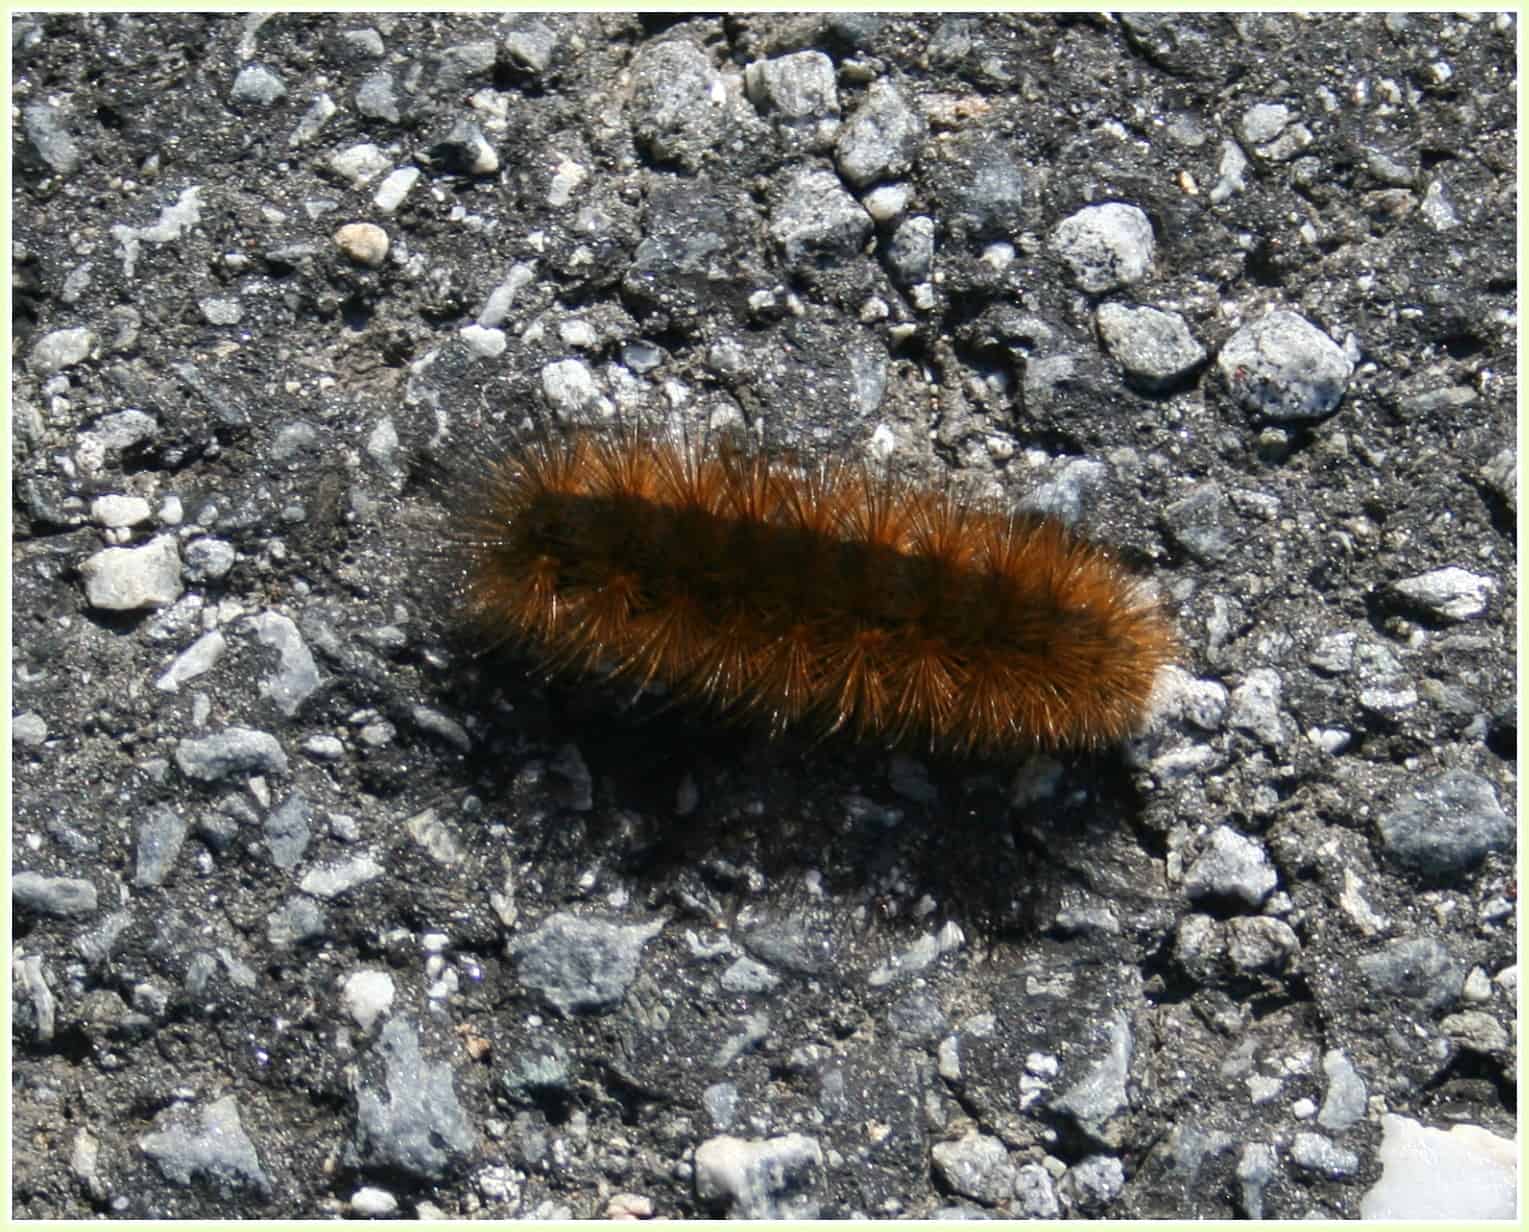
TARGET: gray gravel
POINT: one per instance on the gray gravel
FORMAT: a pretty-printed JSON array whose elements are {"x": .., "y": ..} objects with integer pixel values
[
  {"x": 296, "y": 675},
  {"x": 197, "y": 659},
  {"x": 321, "y": 912},
  {"x": 1314, "y": 1153},
  {"x": 816, "y": 220},
  {"x": 1446, "y": 826},
  {"x": 1284, "y": 367},
  {"x": 1091, "y": 1184},
  {"x": 1155, "y": 348},
  {"x": 288, "y": 830},
  {"x": 1448, "y": 594},
  {"x": 773, "y": 1179},
  {"x": 212, "y": 1147},
  {"x": 238, "y": 750},
  {"x": 412, "y": 1120},
  {"x": 579, "y": 965},
  {"x": 1100, "y": 1094},
  {"x": 976, "y": 1167},
  {"x": 161, "y": 834},
  {"x": 1231, "y": 866},
  {"x": 48, "y": 133},
  {"x": 882, "y": 137},
  {"x": 62, "y": 348},
  {"x": 59, "y": 896},
  {"x": 1420, "y": 969},
  {"x": 1106, "y": 246}
]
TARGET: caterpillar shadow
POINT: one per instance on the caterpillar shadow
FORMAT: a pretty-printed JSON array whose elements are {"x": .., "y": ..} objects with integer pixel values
[{"x": 705, "y": 815}]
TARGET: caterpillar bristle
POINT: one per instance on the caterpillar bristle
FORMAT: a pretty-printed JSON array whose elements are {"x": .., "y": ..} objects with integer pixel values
[{"x": 821, "y": 594}]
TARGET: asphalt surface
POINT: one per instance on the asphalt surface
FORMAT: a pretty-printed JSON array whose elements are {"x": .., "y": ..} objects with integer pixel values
[{"x": 319, "y": 910}]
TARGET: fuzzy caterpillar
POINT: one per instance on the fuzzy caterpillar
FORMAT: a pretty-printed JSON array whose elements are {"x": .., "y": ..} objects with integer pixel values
[{"x": 817, "y": 595}]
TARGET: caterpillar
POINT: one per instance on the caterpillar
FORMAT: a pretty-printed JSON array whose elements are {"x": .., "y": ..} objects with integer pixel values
[{"x": 824, "y": 596}]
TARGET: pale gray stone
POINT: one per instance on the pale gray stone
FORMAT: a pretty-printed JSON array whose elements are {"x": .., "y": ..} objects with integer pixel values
[
  {"x": 207, "y": 560},
  {"x": 119, "y": 511},
  {"x": 976, "y": 1166},
  {"x": 296, "y": 676},
  {"x": 1093, "y": 1182},
  {"x": 1256, "y": 1167},
  {"x": 800, "y": 94},
  {"x": 333, "y": 880},
  {"x": 297, "y": 920},
  {"x": 882, "y": 137},
  {"x": 1255, "y": 706},
  {"x": 1446, "y": 825},
  {"x": 1095, "y": 1099},
  {"x": 60, "y": 349},
  {"x": 1264, "y": 122},
  {"x": 677, "y": 101},
  {"x": 128, "y": 579},
  {"x": 580, "y": 965},
  {"x": 816, "y": 220},
  {"x": 233, "y": 751},
  {"x": 370, "y": 1202},
  {"x": 412, "y": 1120},
  {"x": 160, "y": 835},
  {"x": 49, "y": 135},
  {"x": 1314, "y": 1153},
  {"x": 212, "y": 1149},
  {"x": 1035, "y": 1195},
  {"x": 1106, "y": 246},
  {"x": 57, "y": 896},
  {"x": 1347, "y": 1097},
  {"x": 288, "y": 831},
  {"x": 1284, "y": 367},
  {"x": 775, "y": 1178},
  {"x": 367, "y": 996},
  {"x": 196, "y": 660},
  {"x": 1477, "y": 1031},
  {"x": 1448, "y": 594},
  {"x": 911, "y": 251},
  {"x": 257, "y": 86},
  {"x": 1417, "y": 969},
  {"x": 531, "y": 44},
  {"x": 1155, "y": 348},
  {"x": 1260, "y": 943},
  {"x": 29, "y": 730},
  {"x": 1231, "y": 865}
]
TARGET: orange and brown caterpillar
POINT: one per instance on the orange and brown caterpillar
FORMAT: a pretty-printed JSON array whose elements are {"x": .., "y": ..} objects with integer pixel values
[{"x": 824, "y": 595}]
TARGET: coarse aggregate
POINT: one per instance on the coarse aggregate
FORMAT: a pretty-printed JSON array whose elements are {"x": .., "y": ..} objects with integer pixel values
[{"x": 320, "y": 913}]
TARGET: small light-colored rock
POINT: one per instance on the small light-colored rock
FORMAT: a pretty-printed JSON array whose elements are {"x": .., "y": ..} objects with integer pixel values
[
  {"x": 62, "y": 348},
  {"x": 369, "y": 1202},
  {"x": 365, "y": 243},
  {"x": 1106, "y": 246},
  {"x": 359, "y": 163},
  {"x": 257, "y": 86},
  {"x": 367, "y": 996},
  {"x": 1450, "y": 593},
  {"x": 114, "y": 511},
  {"x": 1284, "y": 367},
  {"x": 29, "y": 729},
  {"x": 126, "y": 579},
  {"x": 1464, "y": 1174},
  {"x": 392, "y": 191}
]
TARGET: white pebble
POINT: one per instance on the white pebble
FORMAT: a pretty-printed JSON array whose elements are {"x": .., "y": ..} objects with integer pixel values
[
  {"x": 372, "y": 1203},
  {"x": 367, "y": 995},
  {"x": 119, "y": 510},
  {"x": 392, "y": 191},
  {"x": 126, "y": 579}
]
